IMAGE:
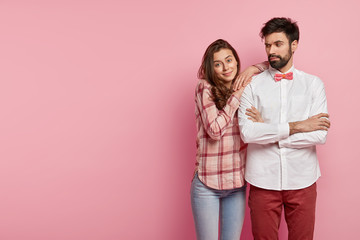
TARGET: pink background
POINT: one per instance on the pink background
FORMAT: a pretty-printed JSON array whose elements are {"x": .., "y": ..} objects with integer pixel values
[{"x": 97, "y": 127}]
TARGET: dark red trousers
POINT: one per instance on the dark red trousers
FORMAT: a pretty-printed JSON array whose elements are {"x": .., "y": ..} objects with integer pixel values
[{"x": 299, "y": 208}]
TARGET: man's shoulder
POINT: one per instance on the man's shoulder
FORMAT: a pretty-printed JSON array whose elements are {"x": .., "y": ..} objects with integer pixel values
[
  {"x": 265, "y": 75},
  {"x": 302, "y": 73},
  {"x": 308, "y": 77},
  {"x": 260, "y": 80}
]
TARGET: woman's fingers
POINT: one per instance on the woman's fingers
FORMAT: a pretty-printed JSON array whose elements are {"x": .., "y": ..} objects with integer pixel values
[
  {"x": 247, "y": 81},
  {"x": 238, "y": 82}
]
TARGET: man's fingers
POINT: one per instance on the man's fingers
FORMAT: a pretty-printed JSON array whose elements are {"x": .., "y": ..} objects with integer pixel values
[
  {"x": 326, "y": 122},
  {"x": 320, "y": 115},
  {"x": 253, "y": 109},
  {"x": 252, "y": 119},
  {"x": 250, "y": 114}
]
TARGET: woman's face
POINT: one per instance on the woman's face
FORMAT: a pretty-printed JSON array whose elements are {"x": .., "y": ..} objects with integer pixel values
[{"x": 225, "y": 66}]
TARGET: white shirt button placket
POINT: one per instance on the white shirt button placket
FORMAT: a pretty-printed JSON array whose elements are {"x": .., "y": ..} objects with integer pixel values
[{"x": 283, "y": 119}]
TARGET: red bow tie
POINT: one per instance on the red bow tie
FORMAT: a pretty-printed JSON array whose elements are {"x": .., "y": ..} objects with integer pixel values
[{"x": 288, "y": 76}]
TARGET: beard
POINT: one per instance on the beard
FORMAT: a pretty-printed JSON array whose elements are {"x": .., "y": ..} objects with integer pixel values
[{"x": 282, "y": 60}]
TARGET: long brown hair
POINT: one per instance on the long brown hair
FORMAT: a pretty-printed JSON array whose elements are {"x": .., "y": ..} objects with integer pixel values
[{"x": 220, "y": 92}]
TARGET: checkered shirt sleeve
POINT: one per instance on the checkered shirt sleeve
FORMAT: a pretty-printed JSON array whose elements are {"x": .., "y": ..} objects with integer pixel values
[{"x": 220, "y": 158}]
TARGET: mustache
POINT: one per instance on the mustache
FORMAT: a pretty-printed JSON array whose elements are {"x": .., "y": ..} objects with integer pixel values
[{"x": 273, "y": 55}]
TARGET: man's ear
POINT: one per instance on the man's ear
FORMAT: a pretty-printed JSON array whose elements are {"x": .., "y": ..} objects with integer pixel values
[{"x": 294, "y": 45}]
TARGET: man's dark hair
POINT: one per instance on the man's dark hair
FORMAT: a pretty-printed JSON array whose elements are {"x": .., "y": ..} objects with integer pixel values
[{"x": 285, "y": 25}]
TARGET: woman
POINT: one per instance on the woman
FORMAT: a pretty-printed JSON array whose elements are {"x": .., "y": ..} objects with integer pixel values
[{"x": 218, "y": 188}]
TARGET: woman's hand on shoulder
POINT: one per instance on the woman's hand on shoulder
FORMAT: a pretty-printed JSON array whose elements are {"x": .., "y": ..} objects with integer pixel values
[
  {"x": 239, "y": 92},
  {"x": 245, "y": 77}
]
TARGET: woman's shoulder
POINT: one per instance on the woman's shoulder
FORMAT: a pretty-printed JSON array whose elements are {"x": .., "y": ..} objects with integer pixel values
[{"x": 202, "y": 85}]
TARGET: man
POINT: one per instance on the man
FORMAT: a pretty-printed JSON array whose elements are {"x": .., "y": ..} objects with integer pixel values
[{"x": 282, "y": 167}]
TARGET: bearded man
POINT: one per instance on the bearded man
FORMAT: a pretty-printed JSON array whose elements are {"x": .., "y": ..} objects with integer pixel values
[{"x": 282, "y": 167}]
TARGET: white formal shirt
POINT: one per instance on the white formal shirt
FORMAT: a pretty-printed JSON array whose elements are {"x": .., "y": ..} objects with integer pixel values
[{"x": 276, "y": 160}]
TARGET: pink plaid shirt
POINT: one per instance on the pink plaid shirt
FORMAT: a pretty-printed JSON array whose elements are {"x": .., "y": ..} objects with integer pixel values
[{"x": 220, "y": 157}]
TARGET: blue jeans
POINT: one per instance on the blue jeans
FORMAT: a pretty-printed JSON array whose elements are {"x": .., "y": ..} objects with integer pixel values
[{"x": 209, "y": 205}]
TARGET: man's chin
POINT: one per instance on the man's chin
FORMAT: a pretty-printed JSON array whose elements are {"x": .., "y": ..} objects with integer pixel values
[{"x": 273, "y": 64}]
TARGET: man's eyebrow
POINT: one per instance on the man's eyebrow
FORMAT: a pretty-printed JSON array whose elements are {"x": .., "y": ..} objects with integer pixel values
[{"x": 278, "y": 41}]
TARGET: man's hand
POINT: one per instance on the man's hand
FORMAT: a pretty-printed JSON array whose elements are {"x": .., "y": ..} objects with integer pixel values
[
  {"x": 254, "y": 114},
  {"x": 314, "y": 123}
]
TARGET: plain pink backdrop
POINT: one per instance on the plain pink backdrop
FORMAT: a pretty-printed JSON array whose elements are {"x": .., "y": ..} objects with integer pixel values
[{"x": 97, "y": 126}]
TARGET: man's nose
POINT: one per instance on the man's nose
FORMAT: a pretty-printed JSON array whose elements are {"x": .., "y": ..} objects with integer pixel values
[{"x": 272, "y": 49}]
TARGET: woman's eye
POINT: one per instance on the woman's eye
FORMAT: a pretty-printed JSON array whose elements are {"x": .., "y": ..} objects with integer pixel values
[
  {"x": 217, "y": 64},
  {"x": 229, "y": 60}
]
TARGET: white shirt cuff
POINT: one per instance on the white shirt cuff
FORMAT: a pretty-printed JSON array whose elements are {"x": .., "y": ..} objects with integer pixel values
[{"x": 284, "y": 131}]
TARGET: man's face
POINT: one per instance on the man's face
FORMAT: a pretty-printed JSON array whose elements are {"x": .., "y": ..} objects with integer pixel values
[{"x": 279, "y": 50}]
